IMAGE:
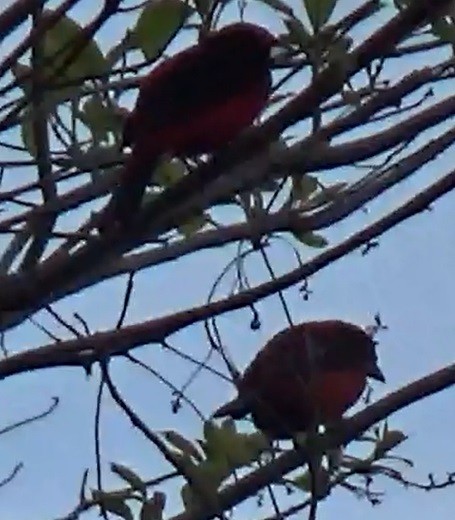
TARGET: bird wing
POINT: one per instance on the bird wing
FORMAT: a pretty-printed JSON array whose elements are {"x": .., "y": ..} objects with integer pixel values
[{"x": 179, "y": 88}]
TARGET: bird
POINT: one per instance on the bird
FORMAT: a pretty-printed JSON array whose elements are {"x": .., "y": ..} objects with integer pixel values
[
  {"x": 194, "y": 103},
  {"x": 307, "y": 374}
]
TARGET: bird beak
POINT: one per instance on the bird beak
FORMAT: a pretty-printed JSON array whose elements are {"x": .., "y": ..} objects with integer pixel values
[{"x": 376, "y": 373}]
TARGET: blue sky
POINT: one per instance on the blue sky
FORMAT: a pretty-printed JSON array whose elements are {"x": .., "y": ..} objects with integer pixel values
[{"x": 408, "y": 279}]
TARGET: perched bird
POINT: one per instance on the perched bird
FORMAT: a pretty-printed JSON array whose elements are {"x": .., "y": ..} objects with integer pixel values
[
  {"x": 307, "y": 374},
  {"x": 194, "y": 103}
]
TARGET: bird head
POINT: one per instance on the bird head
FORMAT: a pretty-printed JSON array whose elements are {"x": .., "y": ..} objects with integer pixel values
[
  {"x": 248, "y": 31},
  {"x": 335, "y": 344},
  {"x": 245, "y": 39}
]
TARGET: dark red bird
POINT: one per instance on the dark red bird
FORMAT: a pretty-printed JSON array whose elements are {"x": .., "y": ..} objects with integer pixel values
[
  {"x": 194, "y": 103},
  {"x": 307, "y": 374}
]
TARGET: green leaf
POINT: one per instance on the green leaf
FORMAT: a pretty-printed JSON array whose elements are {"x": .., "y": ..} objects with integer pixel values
[
  {"x": 157, "y": 25},
  {"x": 123, "y": 494},
  {"x": 311, "y": 239},
  {"x": 21, "y": 74},
  {"x": 90, "y": 61},
  {"x": 203, "y": 7},
  {"x": 338, "y": 53},
  {"x": 327, "y": 194},
  {"x": 182, "y": 444},
  {"x": 302, "y": 187},
  {"x": 444, "y": 30},
  {"x": 165, "y": 173},
  {"x": 233, "y": 449},
  {"x": 169, "y": 172},
  {"x": 257, "y": 443},
  {"x": 153, "y": 508},
  {"x": 298, "y": 35},
  {"x": 193, "y": 225},
  {"x": 100, "y": 118},
  {"x": 210, "y": 431},
  {"x": 188, "y": 497},
  {"x": 390, "y": 440},
  {"x": 119, "y": 508},
  {"x": 302, "y": 481},
  {"x": 120, "y": 49},
  {"x": 192, "y": 499},
  {"x": 27, "y": 133},
  {"x": 129, "y": 476},
  {"x": 211, "y": 473},
  {"x": 50, "y": 96},
  {"x": 334, "y": 458},
  {"x": 185, "y": 460},
  {"x": 229, "y": 425},
  {"x": 319, "y": 12},
  {"x": 113, "y": 504}
]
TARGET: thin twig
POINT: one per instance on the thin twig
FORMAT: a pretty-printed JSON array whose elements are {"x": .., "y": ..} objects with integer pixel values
[
  {"x": 184, "y": 469},
  {"x": 126, "y": 300},
  {"x": 29, "y": 420}
]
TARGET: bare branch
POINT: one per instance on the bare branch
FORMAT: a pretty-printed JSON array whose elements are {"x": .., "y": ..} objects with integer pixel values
[{"x": 86, "y": 350}]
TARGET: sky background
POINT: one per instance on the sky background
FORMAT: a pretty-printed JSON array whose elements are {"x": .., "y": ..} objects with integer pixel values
[{"x": 408, "y": 279}]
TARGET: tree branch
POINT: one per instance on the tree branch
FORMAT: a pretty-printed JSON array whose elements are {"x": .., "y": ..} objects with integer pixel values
[
  {"x": 179, "y": 202},
  {"x": 86, "y": 350}
]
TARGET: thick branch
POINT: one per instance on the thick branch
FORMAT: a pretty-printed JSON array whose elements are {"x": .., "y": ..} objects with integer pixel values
[
  {"x": 301, "y": 153},
  {"x": 367, "y": 147},
  {"x": 178, "y": 202},
  {"x": 344, "y": 205},
  {"x": 83, "y": 351},
  {"x": 16, "y": 14}
]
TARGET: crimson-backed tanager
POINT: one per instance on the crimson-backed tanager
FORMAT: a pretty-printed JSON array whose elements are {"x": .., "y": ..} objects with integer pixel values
[
  {"x": 194, "y": 103},
  {"x": 310, "y": 373}
]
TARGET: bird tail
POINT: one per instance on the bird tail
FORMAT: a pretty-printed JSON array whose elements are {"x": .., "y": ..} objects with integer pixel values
[
  {"x": 237, "y": 409},
  {"x": 127, "y": 195}
]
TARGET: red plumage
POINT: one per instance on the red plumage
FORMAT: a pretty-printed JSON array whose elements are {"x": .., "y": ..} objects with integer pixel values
[
  {"x": 309, "y": 373},
  {"x": 194, "y": 103}
]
